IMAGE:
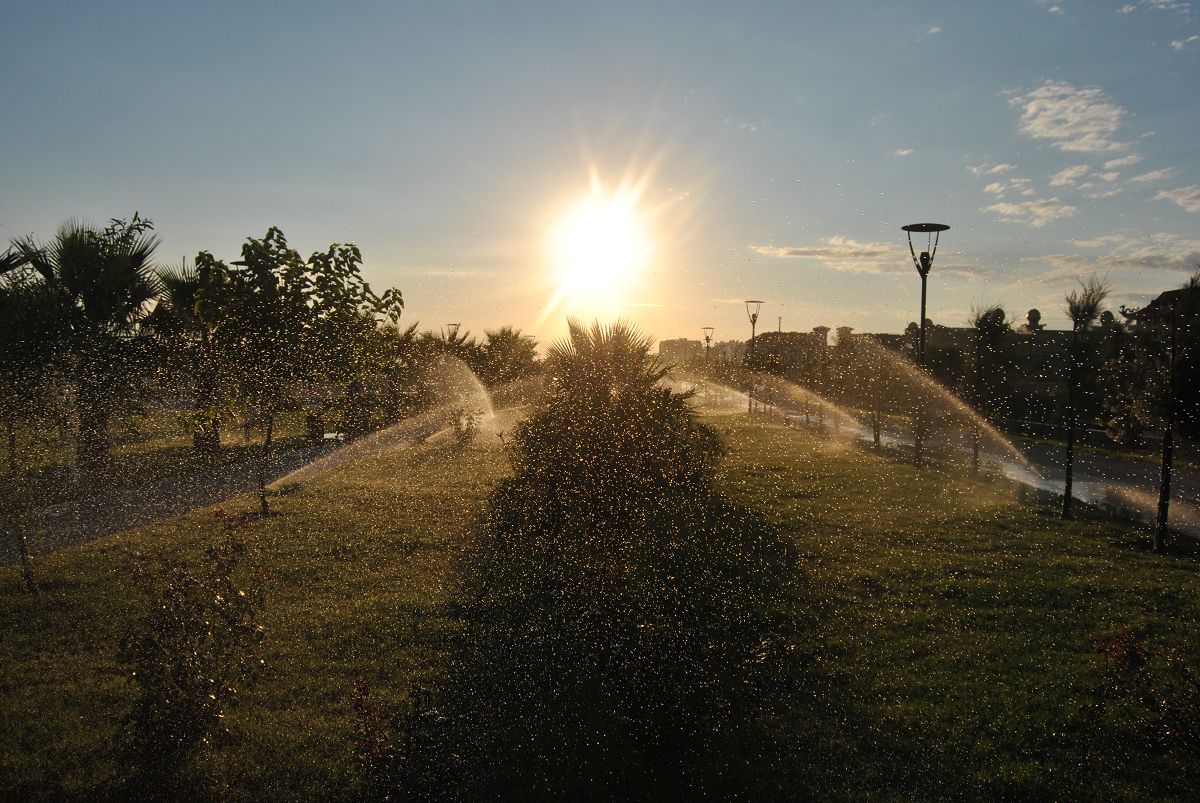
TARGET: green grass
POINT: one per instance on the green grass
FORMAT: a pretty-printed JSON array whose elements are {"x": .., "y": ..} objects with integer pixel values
[{"x": 958, "y": 625}]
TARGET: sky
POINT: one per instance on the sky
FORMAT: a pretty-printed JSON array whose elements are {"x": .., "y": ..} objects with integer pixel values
[{"x": 766, "y": 150}]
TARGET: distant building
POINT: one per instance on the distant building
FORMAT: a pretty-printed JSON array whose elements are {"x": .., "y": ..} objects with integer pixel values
[
  {"x": 681, "y": 350},
  {"x": 1168, "y": 309}
]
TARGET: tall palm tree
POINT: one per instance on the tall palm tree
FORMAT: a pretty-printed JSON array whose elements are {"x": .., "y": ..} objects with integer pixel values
[
  {"x": 104, "y": 284},
  {"x": 508, "y": 355},
  {"x": 1083, "y": 308}
]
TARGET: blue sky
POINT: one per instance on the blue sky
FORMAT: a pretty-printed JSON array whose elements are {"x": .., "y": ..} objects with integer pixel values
[{"x": 777, "y": 147}]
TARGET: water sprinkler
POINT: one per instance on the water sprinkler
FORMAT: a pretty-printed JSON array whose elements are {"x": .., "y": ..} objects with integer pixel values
[{"x": 752, "y": 308}]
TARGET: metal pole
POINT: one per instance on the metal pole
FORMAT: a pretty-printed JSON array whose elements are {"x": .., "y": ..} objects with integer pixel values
[
  {"x": 750, "y": 396},
  {"x": 918, "y": 424}
]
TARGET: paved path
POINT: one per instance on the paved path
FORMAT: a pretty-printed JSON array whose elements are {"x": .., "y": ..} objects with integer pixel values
[
  {"x": 1185, "y": 483},
  {"x": 79, "y": 520}
]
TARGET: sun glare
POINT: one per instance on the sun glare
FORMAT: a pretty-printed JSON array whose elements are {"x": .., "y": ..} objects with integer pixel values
[{"x": 599, "y": 248}]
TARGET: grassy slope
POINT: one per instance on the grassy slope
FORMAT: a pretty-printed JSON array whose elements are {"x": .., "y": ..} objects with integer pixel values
[
  {"x": 964, "y": 623},
  {"x": 960, "y": 623}
]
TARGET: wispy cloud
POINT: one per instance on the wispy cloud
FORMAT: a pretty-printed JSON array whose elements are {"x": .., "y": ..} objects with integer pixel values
[
  {"x": 842, "y": 253},
  {"x": 1186, "y": 197},
  {"x": 1124, "y": 161},
  {"x": 1037, "y": 212},
  {"x": 1134, "y": 255},
  {"x": 990, "y": 170},
  {"x": 1180, "y": 6},
  {"x": 904, "y": 151},
  {"x": 1068, "y": 175},
  {"x": 1155, "y": 175},
  {"x": 1073, "y": 119},
  {"x": 1180, "y": 44},
  {"x": 1017, "y": 185},
  {"x": 1050, "y": 7},
  {"x": 933, "y": 29}
]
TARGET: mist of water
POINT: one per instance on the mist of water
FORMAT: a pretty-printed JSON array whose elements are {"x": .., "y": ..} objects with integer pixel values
[{"x": 455, "y": 391}]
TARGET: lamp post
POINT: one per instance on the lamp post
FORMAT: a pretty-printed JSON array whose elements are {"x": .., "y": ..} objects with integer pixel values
[
  {"x": 708, "y": 334},
  {"x": 752, "y": 308},
  {"x": 452, "y": 331},
  {"x": 923, "y": 264}
]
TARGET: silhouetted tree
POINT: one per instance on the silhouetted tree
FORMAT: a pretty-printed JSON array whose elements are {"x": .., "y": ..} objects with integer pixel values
[
  {"x": 29, "y": 343},
  {"x": 1082, "y": 307},
  {"x": 508, "y": 355},
  {"x": 623, "y": 624},
  {"x": 103, "y": 283},
  {"x": 190, "y": 350},
  {"x": 281, "y": 321}
]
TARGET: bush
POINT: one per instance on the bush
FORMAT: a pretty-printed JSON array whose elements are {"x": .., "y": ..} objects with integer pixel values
[
  {"x": 625, "y": 630},
  {"x": 189, "y": 657}
]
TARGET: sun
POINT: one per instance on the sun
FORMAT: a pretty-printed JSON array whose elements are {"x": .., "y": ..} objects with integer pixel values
[
  {"x": 599, "y": 249},
  {"x": 600, "y": 244}
]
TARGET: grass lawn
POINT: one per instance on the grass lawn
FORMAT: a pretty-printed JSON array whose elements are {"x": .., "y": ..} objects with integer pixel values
[{"x": 958, "y": 627}]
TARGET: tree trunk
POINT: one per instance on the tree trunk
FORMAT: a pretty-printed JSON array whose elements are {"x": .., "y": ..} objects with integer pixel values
[
  {"x": 263, "y": 463},
  {"x": 22, "y": 545},
  {"x": 207, "y": 435},
  {"x": 1164, "y": 486},
  {"x": 92, "y": 445},
  {"x": 1070, "y": 422}
]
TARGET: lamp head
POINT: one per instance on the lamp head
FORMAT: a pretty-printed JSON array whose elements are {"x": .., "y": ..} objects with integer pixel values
[
  {"x": 752, "y": 308},
  {"x": 924, "y": 262}
]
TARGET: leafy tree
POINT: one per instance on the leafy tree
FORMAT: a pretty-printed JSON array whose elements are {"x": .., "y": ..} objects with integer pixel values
[
  {"x": 1155, "y": 382},
  {"x": 280, "y": 321},
  {"x": 103, "y": 285},
  {"x": 1083, "y": 308},
  {"x": 989, "y": 372},
  {"x": 987, "y": 375}
]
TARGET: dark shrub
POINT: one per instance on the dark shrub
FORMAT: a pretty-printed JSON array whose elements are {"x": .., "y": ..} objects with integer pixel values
[
  {"x": 625, "y": 630},
  {"x": 189, "y": 657}
]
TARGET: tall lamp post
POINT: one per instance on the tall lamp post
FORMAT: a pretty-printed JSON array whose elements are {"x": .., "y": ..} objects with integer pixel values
[
  {"x": 452, "y": 331},
  {"x": 708, "y": 333},
  {"x": 923, "y": 264},
  {"x": 752, "y": 308}
]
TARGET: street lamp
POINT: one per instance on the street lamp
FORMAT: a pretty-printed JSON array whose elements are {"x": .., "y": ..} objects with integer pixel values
[
  {"x": 752, "y": 308},
  {"x": 452, "y": 331},
  {"x": 708, "y": 333},
  {"x": 923, "y": 264}
]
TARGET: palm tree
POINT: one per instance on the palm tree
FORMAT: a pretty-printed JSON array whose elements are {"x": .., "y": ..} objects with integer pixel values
[
  {"x": 103, "y": 284},
  {"x": 191, "y": 347},
  {"x": 508, "y": 355},
  {"x": 1082, "y": 307}
]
